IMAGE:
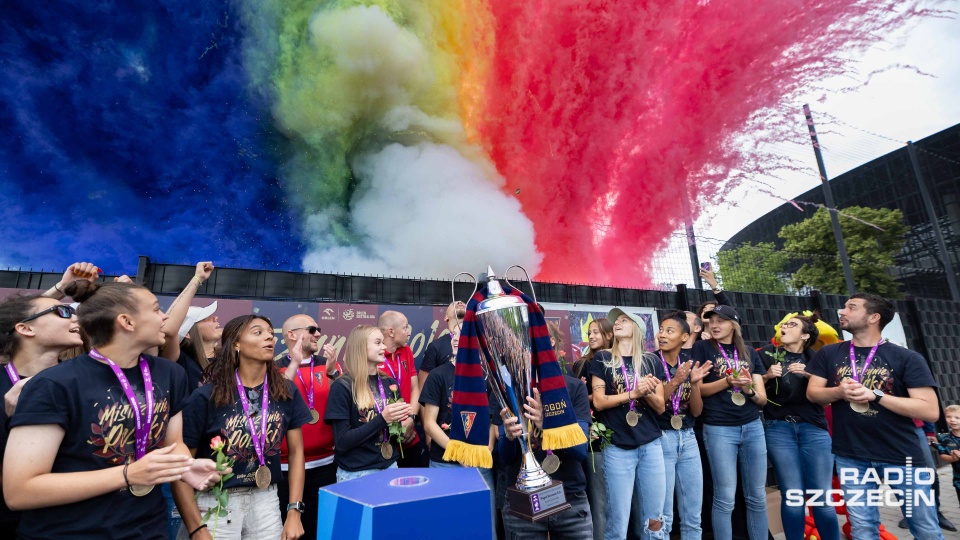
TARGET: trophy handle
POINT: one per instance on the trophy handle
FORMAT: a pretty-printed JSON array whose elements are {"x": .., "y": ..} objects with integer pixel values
[
  {"x": 527, "y": 275},
  {"x": 453, "y": 283}
]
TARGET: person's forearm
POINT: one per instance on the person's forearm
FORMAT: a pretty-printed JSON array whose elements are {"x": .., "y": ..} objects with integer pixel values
[
  {"x": 823, "y": 395},
  {"x": 715, "y": 387},
  {"x": 291, "y": 372},
  {"x": 295, "y": 474},
  {"x": 414, "y": 396},
  {"x": 602, "y": 402},
  {"x": 437, "y": 435},
  {"x": 55, "y": 489},
  {"x": 696, "y": 402},
  {"x": 760, "y": 392},
  {"x": 656, "y": 402},
  {"x": 911, "y": 407}
]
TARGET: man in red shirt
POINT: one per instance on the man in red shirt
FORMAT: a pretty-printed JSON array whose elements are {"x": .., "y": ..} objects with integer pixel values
[
  {"x": 401, "y": 366},
  {"x": 313, "y": 379}
]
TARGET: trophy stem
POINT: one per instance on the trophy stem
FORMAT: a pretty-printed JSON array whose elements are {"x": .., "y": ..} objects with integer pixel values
[{"x": 532, "y": 476}]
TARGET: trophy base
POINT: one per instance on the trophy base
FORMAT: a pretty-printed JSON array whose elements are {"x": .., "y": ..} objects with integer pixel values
[{"x": 538, "y": 504}]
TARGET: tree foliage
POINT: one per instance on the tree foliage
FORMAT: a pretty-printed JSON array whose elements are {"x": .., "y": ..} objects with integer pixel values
[
  {"x": 871, "y": 251},
  {"x": 754, "y": 268}
]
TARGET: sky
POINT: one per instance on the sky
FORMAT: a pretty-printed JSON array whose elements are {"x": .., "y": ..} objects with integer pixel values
[{"x": 912, "y": 93}]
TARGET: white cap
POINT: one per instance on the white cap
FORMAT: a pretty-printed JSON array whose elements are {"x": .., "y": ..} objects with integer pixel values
[{"x": 195, "y": 315}]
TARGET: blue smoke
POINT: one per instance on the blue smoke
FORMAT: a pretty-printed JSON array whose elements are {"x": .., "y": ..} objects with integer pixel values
[{"x": 128, "y": 128}]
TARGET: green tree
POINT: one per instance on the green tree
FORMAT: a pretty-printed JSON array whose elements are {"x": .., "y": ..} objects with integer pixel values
[
  {"x": 757, "y": 268},
  {"x": 872, "y": 251}
]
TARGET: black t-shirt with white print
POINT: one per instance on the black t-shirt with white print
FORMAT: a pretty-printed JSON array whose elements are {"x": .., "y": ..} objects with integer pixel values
[
  {"x": 202, "y": 421},
  {"x": 878, "y": 434},
  {"x": 647, "y": 429},
  {"x": 719, "y": 409},
  {"x": 357, "y": 434},
  {"x": 683, "y": 409},
  {"x": 787, "y": 394},
  {"x": 85, "y": 399}
]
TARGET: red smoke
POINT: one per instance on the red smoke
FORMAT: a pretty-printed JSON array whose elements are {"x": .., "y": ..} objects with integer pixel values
[{"x": 634, "y": 101}]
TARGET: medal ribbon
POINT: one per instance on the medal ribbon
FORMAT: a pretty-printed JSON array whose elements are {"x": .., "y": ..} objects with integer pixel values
[
  {"x": 386, "y": 362},
  {"x": 379, "y": 408},
  {"x": 12, "y": 372},
  {"x": 144, "y": 421},
  {"x": 866, "y": 365},
  {"x": 623, "y": 370},
  {"x": 259, "y": 439},
  {"x": 312, "y": 378},
  {"x": 736, "y": 363},
  {"x": 675, "y": 396}
]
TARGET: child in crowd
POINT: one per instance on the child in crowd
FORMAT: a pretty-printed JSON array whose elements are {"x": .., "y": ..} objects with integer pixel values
[{"x": 948, "y": 444}]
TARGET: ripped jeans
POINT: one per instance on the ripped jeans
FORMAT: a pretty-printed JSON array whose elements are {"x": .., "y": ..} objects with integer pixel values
[{"x": 639, "y": 471}]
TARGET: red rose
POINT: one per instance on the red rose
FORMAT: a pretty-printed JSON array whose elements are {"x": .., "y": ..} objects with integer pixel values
[{"x": 729, "y": 371}]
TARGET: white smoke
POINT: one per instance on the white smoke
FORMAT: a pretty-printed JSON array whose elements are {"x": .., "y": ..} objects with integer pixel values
[
  {"x": 423, "y": 209},
  {"x": 427, "y": 211}
]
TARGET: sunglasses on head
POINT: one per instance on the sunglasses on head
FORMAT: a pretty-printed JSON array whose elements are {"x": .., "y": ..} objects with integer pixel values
[
  {"x": 64, "y": 311},
  {"x": 309, "y": 329}
]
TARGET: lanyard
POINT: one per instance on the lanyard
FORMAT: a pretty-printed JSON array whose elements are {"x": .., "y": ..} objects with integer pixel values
[
  {"x": 259, "y": 439},
  {"x": 144, "y": 421},
  {"x": 312, "y": 378},
  {"x": 866, "y": 365},
  {"x": 623, "y": 370},
  {"x": 675, "y": 397}
]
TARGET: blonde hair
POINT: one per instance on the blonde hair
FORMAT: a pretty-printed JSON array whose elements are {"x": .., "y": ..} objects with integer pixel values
[
  {"x": 637, "y": 352},
  {"x": 951, "y": 408},
  {"x": 355, "y": 364}
]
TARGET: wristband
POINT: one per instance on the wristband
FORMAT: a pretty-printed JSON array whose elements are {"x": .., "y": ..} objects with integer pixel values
[
  {"x": 58, "y": 289},
  {"x": 127, "y": 481},
  {"x": 750, "y": 395},
  {"x": 195, "y": 531},
  {"x": 199, "y": 283}
]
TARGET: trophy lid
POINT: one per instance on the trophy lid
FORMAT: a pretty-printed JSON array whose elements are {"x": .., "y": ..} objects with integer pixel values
[{"x": 496, "y": 299}]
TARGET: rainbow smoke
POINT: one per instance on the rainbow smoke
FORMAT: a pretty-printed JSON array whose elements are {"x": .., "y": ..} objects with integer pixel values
[{"x": 415, "y": 137}]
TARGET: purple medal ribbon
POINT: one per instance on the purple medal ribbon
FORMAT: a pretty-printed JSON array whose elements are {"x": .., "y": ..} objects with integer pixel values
[
  {"x": 142, "y": 422},
  {"x": 259, "y": 439},
  {"x": 380, "y": 408},
  {"x": 675, "y": 397},
  {"x": 736, "y": 363},
  {"x": 623, "y": 370},
  {"x": 12, "y": 373},
  {"x": 866, "y": 365},
  {"x": 386, "y": 362},
  {"x": 312, "y": 378}
]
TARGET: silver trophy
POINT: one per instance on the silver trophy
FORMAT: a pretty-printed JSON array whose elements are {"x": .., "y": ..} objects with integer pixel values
[{"x": 504, "y": 323}]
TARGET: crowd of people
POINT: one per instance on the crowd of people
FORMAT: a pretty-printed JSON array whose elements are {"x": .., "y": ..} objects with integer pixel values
[{"x": 125, "y": 421}]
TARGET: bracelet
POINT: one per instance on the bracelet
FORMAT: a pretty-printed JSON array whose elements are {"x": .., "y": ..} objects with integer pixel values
[
  {"x": 58, "y": 288},
  {"x": 195, "y": 531},
  {"x": 750, "y": 395},
  {"x": 125, "y": 479},
  {"x": 199, "y": 283}
]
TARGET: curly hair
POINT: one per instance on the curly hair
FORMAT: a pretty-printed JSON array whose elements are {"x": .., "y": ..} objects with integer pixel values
[{"x": 227, "y": 360}]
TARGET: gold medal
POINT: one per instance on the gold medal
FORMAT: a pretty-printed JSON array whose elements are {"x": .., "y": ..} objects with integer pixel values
[
  {"x": 263, "y": 477},
  {"x": 632, "y": 418},
  {"x": 386, "y": 450},
  {"x": 314, "y": 416},
  {"x": 140, "y": 491},
  {"x": 676, "y": 422},
  {"x": 551, "y": 463},
  {"x": 738, "y": 399},
  {"x": 859, "y": 407}
]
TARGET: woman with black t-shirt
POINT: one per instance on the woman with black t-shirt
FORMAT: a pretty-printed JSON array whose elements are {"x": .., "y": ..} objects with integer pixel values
[
  {"x": 732, "y": 395},
  {"x": 251, "y": 406},
  {"x": 599, "y": 337},
  {"x": 359, "y": 410},
  {"x": 93, "y": 436},
  {"x": 627, "y": 397},
  {"x": 34, "y": 330},
  {"x": 795, "y": 429}
]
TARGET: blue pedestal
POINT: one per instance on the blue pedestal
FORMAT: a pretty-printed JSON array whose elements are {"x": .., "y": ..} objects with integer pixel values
[{"x": 438, "y": 503}]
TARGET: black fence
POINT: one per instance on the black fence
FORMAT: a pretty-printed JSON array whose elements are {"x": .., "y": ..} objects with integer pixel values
[{"x": 932, "y": 326}]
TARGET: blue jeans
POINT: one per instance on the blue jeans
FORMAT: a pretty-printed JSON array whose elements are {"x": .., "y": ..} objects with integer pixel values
[
  {"x": 173, "y": 515},
  {"x": 639, "y": 471},
  {"x": 865, "y": 517},
  {"x": 681, "y": 460},
  {"x": 596, "y": 492},
  {"x": 726, "y": 447},
  {"x": 802, "y": 460},
  {"x": 343, "y": 476}
]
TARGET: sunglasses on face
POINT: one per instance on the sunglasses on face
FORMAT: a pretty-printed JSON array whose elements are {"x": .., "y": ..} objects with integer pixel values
[
  {"x": 64, "y": 311},
  {"x": 309, "y": 329}
]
